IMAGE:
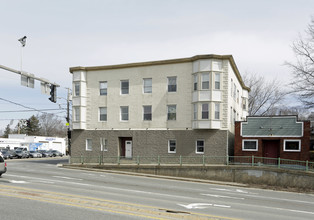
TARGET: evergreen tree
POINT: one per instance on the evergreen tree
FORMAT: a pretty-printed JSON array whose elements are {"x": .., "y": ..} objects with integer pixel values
[{"x": 7, "y": 131}]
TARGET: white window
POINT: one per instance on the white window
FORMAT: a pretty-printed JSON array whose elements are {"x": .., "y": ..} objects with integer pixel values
[
  {"x": 217, "y": 111},
  {"x": 292, "y": 145},
  {"x": 195, "y": 82},
  {"x": 89, "y": 146},
  {"x": 205, "y": 80},
  {"x": 102, "y": 114},
  {"x": 237, "y": 96},
  {"x": 195, "y": 111},
  {"x": 103, "y": 88},
  {"x": 172, "y": 112},
  {"x": 77, "y": 89},
  {"x": 217, "y": 80},
  {"x": 172, "y": 84},
  {"x": 234, "y": 91},
  {"x": 147, "y": 113},
  {"x": 124, "y": 113},
  {"x": 231, "y": 87},
  {"x": 244, "y": 103},
  {"x": 77, "y": 113},
  {"x": 200, "y": 147},
  {"x": 103, "y": 144},
  {"x": 250, "y": 145},
  {"x": 172, "y": 146},
  {"x": 205, "y": 111},
  {"x": 147, "y": 85},
  {"x": 124, "y": 86}
]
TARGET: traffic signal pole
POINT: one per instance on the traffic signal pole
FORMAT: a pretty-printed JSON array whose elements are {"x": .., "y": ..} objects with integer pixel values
[{"x": 31, "y": 76}]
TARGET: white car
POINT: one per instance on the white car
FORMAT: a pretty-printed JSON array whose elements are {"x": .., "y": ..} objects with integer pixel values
[{"x": 3, "y": 166}]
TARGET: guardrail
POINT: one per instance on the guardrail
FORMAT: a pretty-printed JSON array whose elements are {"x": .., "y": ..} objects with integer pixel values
[{"x": 198, "y": 160}]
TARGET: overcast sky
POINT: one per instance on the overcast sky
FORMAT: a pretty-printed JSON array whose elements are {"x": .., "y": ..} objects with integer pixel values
[{"x": 66, "y": 33}]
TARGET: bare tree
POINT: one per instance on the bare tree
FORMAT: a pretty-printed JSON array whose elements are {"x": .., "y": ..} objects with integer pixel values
[
  {"x": 51, "y": 125},
  {"x": 303, "y": 68},
  {"x": 264, "y": 96}
]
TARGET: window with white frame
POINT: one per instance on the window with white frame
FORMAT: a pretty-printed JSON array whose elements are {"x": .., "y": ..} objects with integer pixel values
[
  {"x": 147, "y": 113},
  {"x": 172, "y": 84},
  {"x": 231, "y": 87},
  {"x": 103, "y": 114},
  {"x": 124, "y": 113},
  {"x": 217, "y": 80},
  {"x": 195, "y": 82},
  {"x": 89, "y": 144},
  {"x": 103, "y": 144},
  {"x": 292, "y": 145},
  {"x": 77, "y": 114},
  {"x": 147, "y": 85},
  {"x": 217, "y": 111},
  {"x": 172, "y": 112},
  {"x": 77, "y": 89},
  {"x": 234, "y": 91},
  {"x": 205, "y": 111},
  {"x": 244, "y": 103},
  {"x": 200, "y": 147},
  {"x": 103, "y": 88},
  {"x": 205, "y": 80},
  {"x": 195, "y": 111},
  {"x": 237, "y": 96},
  {"x": 250, "y": 145},
  {"x": 172, "y": 146},
  {"x": 124, "y": 87}
]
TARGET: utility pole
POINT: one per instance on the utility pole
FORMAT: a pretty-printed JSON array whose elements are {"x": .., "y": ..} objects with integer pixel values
[{"x": 68, "y": 123}]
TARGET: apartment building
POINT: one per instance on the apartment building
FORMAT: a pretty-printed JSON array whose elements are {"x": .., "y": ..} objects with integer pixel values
[{"x": 184, "y": 106}]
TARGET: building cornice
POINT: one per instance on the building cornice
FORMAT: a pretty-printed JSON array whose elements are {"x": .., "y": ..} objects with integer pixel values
[{"x": 163, "y": 62}]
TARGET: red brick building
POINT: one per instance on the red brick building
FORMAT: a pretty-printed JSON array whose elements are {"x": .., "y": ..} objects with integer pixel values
[{"x": 273, "y": 137}]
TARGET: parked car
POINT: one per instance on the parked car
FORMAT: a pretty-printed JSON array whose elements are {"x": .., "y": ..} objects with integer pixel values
[
  {"x": 34, "y": 154},
  {"x": 21, "y": 154},
  {"x": 3, "y": 166},
  {"x": 56, "y": 153},
  {"x": 45, "y": 153},
  {"x": 7, "y": 155}
]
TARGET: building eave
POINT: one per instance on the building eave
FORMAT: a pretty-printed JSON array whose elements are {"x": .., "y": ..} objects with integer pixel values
[{"x": 163, "y": 62}]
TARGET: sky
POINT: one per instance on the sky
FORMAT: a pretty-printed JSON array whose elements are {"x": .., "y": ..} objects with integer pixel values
[{"x": 67, "y": 33}]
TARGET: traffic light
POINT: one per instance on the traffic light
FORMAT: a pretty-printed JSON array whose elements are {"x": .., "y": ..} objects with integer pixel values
[
  {"x": 28, "y": 123},
  {"x": 53, "y": 93}
]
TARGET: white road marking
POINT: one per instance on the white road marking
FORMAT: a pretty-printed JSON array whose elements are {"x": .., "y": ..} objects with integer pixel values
[
  {"x": 196, "y": 205},
  {"x": 68, "y": 178},
  {"x": 16, "y": 181},
  {"x": 219, "y": 196},
  {"x": 202, "y": 206}
]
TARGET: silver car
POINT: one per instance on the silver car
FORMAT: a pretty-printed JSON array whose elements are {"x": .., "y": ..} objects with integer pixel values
[
  {"x": 34, "y": 154},
  {"x": 3, "y": 165}
]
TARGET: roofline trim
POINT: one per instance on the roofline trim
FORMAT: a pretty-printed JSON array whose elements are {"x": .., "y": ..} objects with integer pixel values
[{"x": 162, "y": 62}]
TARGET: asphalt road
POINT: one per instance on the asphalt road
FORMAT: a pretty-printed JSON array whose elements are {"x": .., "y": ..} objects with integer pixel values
[{"x": 38, "y": 189}]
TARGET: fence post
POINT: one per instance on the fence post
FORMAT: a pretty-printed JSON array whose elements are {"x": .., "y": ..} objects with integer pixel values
[
  {"x": 158, "y": 160},
  {"x": 82, "y": 159},
  {"x": 203, "y": 160},
  {"x": 180, "y": 160},
  {"x": 307, "y": 166},
  {"x": 138, "y": 160},
  {"x": 252, "y": 160},
  {"x": 279, "y": 162},
  {"x": 99, "y": 159},
  {"x": 118, "y": 160},
  {"x": 227, "y": 160}
]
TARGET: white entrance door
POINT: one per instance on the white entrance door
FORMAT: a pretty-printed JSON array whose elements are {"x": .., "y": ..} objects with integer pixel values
[{"x": 128, "y": 149}]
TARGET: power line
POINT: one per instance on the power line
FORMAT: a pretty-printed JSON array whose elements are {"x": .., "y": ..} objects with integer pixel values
[{"x": 32, "y": 110}]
